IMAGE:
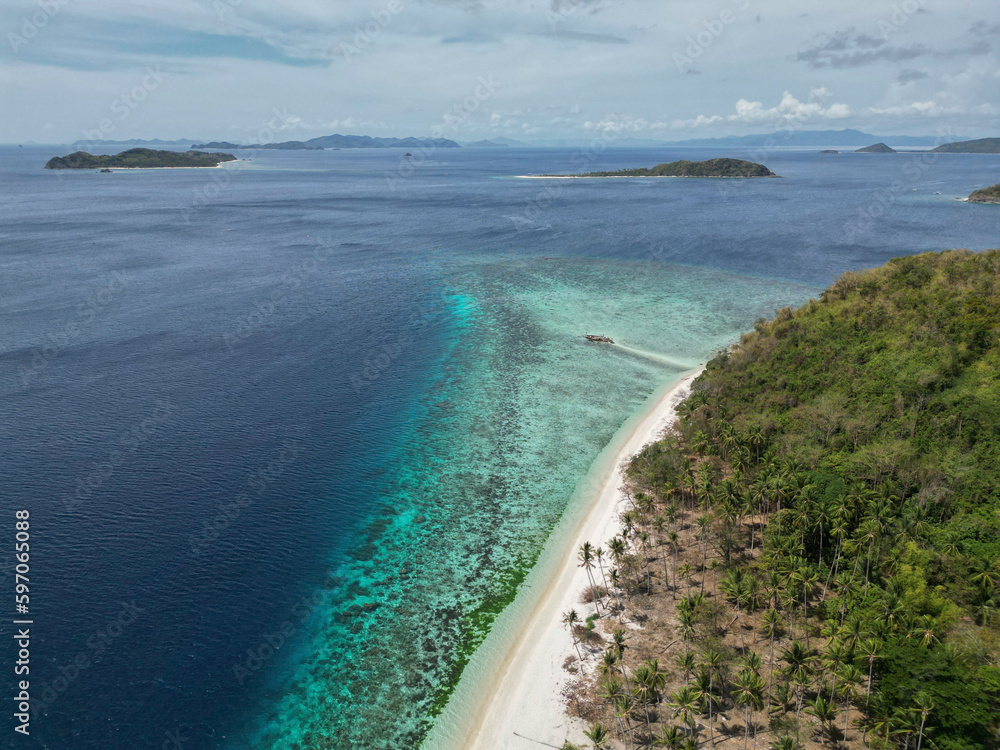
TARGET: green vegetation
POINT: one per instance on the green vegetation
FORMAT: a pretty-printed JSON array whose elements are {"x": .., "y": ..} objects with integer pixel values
[
  {"x": 710, "y": 168},
  {"x": 138, "y": 158},
  {"x": 986, "y": 195},
  {"x": 876, "y": 148},
  {"x": 979, "y": 146},
  {"x": 826, "y": 517}
]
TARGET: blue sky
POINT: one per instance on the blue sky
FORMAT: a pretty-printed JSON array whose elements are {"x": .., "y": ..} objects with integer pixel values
[{"x": 662, "y": 69}]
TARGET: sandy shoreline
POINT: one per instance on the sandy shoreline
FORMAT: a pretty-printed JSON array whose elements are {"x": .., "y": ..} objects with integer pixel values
[{"x": 515, "y": 701}]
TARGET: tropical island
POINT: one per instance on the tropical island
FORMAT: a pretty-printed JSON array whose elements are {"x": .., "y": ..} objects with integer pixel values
[
  {"x": 986, "y": 195},
  {"x": 811, "y": 556},
  {"x": 710, "y": 168},
  {"x": 138, "y": 158},
  {"x": 978, "y": 146},
  {"x": 283, "y": 146},
  {"x": 876, "y": 148}
]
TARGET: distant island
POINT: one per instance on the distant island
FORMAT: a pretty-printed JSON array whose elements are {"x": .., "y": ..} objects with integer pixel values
[
  {"x": 337, "y": 141},
  {"x": 980, "y": 146},
  {"x": 485, "y": 144},
  {"x": 829, "y": 151},
  {"x": 284, "y": 146},
  {"x": 130, "y": 142},
  {"x": 876, "y": 148},
  {"x": 986, "y": 195},
  {"x": 800, "y": 139},
  {"x": 138, "y": 158},
  {"x": 683, "y": 168}
]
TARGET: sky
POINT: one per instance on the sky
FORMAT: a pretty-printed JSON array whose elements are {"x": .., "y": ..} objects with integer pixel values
[{"x": 251, "y": 71}]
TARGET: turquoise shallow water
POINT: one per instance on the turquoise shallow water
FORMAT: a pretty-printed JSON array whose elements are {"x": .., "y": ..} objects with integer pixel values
[
  {"x": 367, "y": 402},
  {"x": 521, "y": 407}
]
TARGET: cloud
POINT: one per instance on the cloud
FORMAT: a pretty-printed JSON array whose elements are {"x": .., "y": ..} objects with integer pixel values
[
  {"x": 909, "y": 76},
  {"x": 850, "y": 49},
  {"x": 790, "y": 111},
  {"x": 624, "y": 124},
  {"x": 916, "y": 109}
]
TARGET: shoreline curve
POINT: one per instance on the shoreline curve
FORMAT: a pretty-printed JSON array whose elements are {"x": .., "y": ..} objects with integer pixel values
[{"x": 510, "y": 697}]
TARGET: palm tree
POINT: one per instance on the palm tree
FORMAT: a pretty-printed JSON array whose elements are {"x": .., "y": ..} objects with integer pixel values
[
  {"x": 623, "y": 705},
  {"x": 704, "y": 522},
  {"x": 685, "y": 702},
  {"x": 825, "y": 712},
  {"x": 685, "y": 571},
  {"x": 675, "y": 548},
  {"x": 805, "y": 578},
  {"x": 599, "y": 736},
  {"x": 798, "y": 669},
  {"x": 714, "y": 659},
  {"x": 571, "y": 618},
  {"x": 850, "y": 677},
  {"x": 834, "y": 655},
  {"x": 686, "y": 662},
  {"x": 772, "y": 628},
  {"x": 599, "y": 556},
  {"x": 925, "y": 705},
  {"x": 618, "y": 644},
  {"x": 685, "y": 623},
  {"x": 649, "y": 679},
  {"x": 748, "y": 689},
  {"x": 586, "y": 556},
  {"x": 608, "y": 662},
  {"x": 616, "y": 545},
  {"x": 734, "y": 587},
  {"x": 785, "y": 743},
  {"x": 872, "y": 648},
  {"x": 670, "y": 737},
  {"x": 986, "y": 573}
]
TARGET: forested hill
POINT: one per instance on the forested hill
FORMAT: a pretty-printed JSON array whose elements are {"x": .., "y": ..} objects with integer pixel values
[
  {"x": 892, "y": 378},
  {"x": 862, "y": 432}
]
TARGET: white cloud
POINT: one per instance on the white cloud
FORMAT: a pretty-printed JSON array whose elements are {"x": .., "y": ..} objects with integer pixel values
[
  {"x": 920, "y": 109},
  {"x": 790, "y": 111}
]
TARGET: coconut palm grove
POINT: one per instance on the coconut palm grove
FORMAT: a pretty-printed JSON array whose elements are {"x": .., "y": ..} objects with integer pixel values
[{"x": 811, "y": 558}]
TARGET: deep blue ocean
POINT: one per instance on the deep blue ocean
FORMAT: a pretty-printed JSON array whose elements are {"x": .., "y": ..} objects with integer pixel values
[{"x": 291, "y": 431}]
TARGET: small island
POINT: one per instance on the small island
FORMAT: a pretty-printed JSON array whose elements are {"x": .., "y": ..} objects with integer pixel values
[
  {"x": 829, "y": 151},
  {"x": 986, "y": 195},
  {"x": 683, "y": 168},
  {"x": 138, "y": 158},
  {"x": 978, "y": 146},
  {"x": 876, "y": 148}
]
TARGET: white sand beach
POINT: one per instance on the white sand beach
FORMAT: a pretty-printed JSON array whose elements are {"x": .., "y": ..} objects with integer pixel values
[{"x": 516, "y": 702}]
